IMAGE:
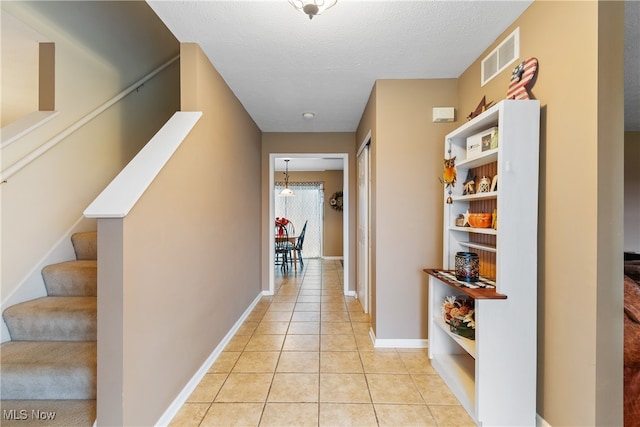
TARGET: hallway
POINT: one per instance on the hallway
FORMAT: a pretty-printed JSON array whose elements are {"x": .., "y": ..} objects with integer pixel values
[{"x": 304, "y": 357}]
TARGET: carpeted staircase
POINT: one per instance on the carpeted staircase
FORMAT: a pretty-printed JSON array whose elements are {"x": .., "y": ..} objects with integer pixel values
[{"x": 48, "y": 369}]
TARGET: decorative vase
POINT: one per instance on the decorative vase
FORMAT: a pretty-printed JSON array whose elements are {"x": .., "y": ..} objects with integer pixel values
[{"x": 467, "y": 266}]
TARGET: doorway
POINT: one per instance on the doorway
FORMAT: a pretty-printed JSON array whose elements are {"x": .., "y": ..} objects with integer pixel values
[{"x": 343, "y": 159}]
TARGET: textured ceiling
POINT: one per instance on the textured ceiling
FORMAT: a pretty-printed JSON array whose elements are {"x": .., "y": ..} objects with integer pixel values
[{"x": 281, "y": 64}]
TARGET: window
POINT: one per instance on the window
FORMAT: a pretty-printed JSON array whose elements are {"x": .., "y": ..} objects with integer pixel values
[{"x": 306, "y": 205}]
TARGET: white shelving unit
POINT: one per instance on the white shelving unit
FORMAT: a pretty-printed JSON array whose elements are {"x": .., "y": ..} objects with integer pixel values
[{"x": 493, "y": 376}]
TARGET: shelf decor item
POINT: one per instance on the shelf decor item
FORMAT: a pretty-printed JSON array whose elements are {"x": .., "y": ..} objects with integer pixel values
[
  {"x": 469, "y": 184},
  {"x": 467, "y": 266},
  {"x": 485, "y": 185},
  {"x": 494, "y": 139},
  {"x": 481, "y": 108},
  {"x": 494, "y": 183},
  {"x": 458, "y": 312},
  {"x": 480, "y": 142},
  {"x": 449, "y": 175},
  {"x": 522, "y": 79},
  {"x": 480, "y": 220}
]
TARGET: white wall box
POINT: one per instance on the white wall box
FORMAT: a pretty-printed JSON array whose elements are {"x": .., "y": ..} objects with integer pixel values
[{"x": 493, "y": 376}]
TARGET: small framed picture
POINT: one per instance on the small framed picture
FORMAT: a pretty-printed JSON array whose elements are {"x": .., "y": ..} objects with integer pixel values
[
  {"x": 494, "y": 183},
  {"x": 486, "y": 142}
]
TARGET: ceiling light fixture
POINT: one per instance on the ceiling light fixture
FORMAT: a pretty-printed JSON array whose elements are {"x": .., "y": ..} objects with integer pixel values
[
  {"x": 308, "y": 115},
  {"x": 312, "y": 7},
  {"x": 286, "y": 191}
]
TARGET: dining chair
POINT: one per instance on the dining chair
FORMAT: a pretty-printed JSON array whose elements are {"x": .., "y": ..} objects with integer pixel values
[
  {"x": 283, "y": 247},
  {"x": 300, "y": 242}
]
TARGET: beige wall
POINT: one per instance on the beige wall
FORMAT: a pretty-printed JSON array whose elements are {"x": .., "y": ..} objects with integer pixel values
[
  {"x": 332, "y": 231},
  {"x": 20, "y": 52},
  {"x": 407, "y": 159},
  {"x": 632, "y": 191},
  {"x": 192, "y": 264},
  {"x": 317, "y": 143},
  {"x": 43, "y": 201},
  {"x": 579, "y": 46}
]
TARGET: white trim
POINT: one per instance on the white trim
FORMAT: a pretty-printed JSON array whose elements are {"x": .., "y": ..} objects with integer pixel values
[
  {"x": 27, "y": 124},
  {"x": 346, "y": 265},
  {"x": 14, "y": 168},
  {"x": 351, "y": 294},
  {"x": 182, "y": 397},
  {"x": 272, "y": 219},
  {"x": 399, "y": 343},
  {"x": 366, "y": 141},
  {"x": 541, "y": 422},
  {"x": 372, "y": 335},
  {"x": 364, "y": 262},
  {"x": 127, "y": 187},
  {"x": 332, "y": 257}
]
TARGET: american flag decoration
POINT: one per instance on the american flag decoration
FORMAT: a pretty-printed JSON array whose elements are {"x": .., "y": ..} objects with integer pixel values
[{"x": 522, "y": 79}]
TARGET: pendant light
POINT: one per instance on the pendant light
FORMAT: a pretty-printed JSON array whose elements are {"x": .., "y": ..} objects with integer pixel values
[{"x": 286, "y": 192}]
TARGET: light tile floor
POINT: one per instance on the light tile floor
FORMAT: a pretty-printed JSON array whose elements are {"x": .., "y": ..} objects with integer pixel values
[{"x": 304, "y": 357}]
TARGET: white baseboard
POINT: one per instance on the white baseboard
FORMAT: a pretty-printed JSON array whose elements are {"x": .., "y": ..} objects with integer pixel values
[
  {"x": 397, "y": 343},
  {"x": 541, "y": 422},
  {"x": 351, "y": 294},
  {"x": 332, "y": 257},
  {"x": 403, "y": 343},
  {"x": 32, "y": 285},
  {"x": 182, "y": 397}
]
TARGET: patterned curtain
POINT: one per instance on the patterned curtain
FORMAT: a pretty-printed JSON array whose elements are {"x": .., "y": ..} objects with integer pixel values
[{"x": 306, "y": 205}]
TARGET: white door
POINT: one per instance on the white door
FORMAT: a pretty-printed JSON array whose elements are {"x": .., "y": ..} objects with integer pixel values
[{"x": 362, "y": 282}]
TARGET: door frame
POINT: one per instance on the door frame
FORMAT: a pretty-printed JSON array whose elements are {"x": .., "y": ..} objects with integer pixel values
[
  {"x": 345, "y": 211},
  {"x": 366, "y": 260}
]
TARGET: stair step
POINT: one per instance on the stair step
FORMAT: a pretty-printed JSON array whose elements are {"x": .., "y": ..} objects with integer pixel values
[
  {"x": 48, "y": 412},
  {"x": 53, "y": 319},
  {"x": 71, "y": 278},
  {"x": 85, "y": 244},
  {"x": 48, "y": 370}
]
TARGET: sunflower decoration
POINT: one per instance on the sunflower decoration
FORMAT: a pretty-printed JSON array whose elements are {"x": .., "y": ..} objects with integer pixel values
[{"x": 336, "y": 201}]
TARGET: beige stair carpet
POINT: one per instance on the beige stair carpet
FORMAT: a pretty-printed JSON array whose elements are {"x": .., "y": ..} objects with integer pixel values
[{"x": 48, "y": 369}]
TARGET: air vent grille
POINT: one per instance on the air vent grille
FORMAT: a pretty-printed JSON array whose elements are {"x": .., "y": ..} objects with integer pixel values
[{"x": 501, "y": 57}]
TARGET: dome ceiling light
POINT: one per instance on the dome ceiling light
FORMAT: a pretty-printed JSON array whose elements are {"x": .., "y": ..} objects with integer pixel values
[{"x": 312, "y": 7}]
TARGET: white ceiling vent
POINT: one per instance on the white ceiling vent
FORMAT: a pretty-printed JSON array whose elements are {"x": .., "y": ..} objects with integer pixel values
[{"x": 501, "y": 57}]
